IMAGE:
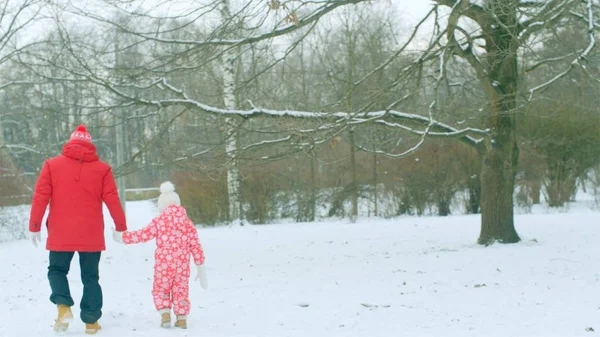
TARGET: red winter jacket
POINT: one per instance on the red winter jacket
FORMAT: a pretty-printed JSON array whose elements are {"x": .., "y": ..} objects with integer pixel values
[{"x": 76, "y": 183}]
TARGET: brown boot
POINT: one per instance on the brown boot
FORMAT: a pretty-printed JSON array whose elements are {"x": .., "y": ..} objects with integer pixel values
[
  {"x": 65, "y": 316},
  {"x": 181, "y": 322},
  {"x": 165, "y": 320},
  {"x": 92, "y": 329}
]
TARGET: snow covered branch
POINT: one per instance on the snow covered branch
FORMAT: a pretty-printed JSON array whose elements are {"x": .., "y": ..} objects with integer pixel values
[
  {"x": 340, "y": 118},
  {"x": 577, "y": 62},
  {"x": 530, "y": 4},
  {"x": 549, "y": 61},
  {"x": 449, "y": 132},
  {"x": 404, "y": 154},
  {"x": 547, "y": 16},
  {"x": 585, "y": 18}
]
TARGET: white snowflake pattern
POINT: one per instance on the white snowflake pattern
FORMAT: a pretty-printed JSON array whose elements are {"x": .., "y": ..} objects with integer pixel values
[{"x": 176, "y": 241}]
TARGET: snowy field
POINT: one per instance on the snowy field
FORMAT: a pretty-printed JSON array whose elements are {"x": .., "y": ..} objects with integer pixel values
[{"x": 402, "y": 277}]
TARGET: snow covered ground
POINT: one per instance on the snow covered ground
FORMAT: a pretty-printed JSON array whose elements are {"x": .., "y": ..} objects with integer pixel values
[{"x": 402, "y": 277}]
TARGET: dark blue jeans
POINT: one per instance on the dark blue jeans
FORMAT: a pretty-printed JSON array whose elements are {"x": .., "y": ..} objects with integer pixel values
[{"x": 91, "y": 301}]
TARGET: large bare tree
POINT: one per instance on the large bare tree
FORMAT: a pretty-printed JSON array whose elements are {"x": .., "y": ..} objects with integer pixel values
[{"x": 505, "y": 28}]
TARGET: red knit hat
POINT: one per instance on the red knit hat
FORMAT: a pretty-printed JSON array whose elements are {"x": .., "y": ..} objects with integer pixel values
[{"x": 81, "y": 134}]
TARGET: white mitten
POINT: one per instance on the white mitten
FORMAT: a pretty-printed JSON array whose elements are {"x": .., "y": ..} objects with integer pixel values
[
  {"x": 201, "y": 276},
  {"x": 35, "y": 237},
  {"x": 117, "y": 236}
]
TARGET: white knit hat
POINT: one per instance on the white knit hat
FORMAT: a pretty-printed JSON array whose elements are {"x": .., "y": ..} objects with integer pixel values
[{"x": 167, "y": 196}]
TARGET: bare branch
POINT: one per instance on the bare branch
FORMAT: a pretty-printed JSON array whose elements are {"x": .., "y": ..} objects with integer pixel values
[
  {"x": 470, "y": 10},
  {"x": 583, "y": 18},
  {"x": 577, "y": 61},
  {"x": 462, "y": 6},
  {"x": 549, "y": 60},
  {"x": 20, "y": 147},
  {"x": 548, "y": 15},
  {"x": 327, "y": 7}
]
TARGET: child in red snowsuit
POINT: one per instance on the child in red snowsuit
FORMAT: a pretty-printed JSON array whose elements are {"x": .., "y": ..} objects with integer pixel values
[{"x": 176, "y": 239}]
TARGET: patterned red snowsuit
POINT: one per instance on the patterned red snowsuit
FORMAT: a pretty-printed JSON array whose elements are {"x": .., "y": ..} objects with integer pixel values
[{"x": 176, "y": 238}]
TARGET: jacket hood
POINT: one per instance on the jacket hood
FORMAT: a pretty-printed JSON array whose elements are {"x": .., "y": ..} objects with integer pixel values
[{"x": 80, "y": 150}]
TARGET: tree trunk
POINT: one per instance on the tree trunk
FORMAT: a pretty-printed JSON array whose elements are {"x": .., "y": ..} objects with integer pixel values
[
  {"x": 375, "y": 201},
  {"x": 233, "y": 172},
  {"x": 120, "y": 137},
  {"x": 561, "y": 184},
  {"x": 497, "y": 187},
  {"x": 536, "y": 187},
  {"x": 474, "y": 186},
  {"x": 500, "y": 159},
  {"x": 443, "y": 203},
  {"x": 354, "y": 214},
  {"x": 313, "y": 190}
]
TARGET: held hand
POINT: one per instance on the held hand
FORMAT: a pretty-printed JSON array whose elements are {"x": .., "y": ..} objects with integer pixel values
[
  {"x": 35, "y": 237},
  {"x": 117, "y": 236},
  {"x": 201, "y": 276}
]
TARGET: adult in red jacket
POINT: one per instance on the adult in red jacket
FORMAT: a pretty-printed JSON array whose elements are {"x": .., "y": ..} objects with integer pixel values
[{"x": 75, "y": 184}]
